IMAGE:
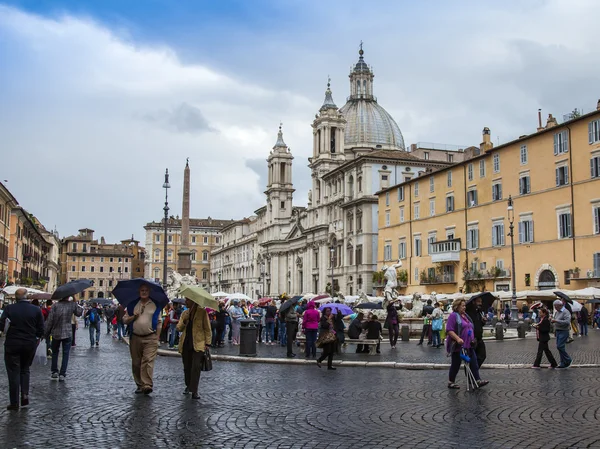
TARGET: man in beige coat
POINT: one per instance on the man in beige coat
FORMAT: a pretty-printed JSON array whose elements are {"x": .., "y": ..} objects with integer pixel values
[{"x": 194, "y": 341}]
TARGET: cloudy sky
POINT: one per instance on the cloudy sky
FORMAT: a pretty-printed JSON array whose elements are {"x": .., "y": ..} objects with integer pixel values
[{"x": 97, "y": 98}]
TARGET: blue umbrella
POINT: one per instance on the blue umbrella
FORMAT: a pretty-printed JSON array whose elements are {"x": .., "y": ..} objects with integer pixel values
[
  {"x": 127, "y": 291},
  {"x": 336, "y": 306},
  {"x": 71, "y": 288}
]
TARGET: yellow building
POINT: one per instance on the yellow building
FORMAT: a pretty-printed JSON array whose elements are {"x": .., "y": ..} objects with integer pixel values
[
  {"x": 450, "y": 228},
  {"x": 7, "y": 203}
]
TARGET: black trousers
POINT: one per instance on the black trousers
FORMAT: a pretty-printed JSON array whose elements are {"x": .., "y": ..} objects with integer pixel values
[
  {"x": 18, "y": 359},
  {"x": 426, "y": 331},
  {"x": 544, "y": 349},
  {"x": 291, "y": 335},
  {"x": 480, "y": 352},
  {"x": 328, "y": 351},
  {"x": 192, "y": 362}
]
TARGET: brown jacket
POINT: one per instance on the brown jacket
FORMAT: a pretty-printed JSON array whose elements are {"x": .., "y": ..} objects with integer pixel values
[{"x": 201, "y": 328}]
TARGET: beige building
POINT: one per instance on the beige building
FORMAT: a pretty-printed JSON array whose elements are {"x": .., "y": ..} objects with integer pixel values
[
  {"x": 450, "y": 227},
  {"x": 439, "y": 152},
  {"x": 53, "y": 258},
  {"x": 205, "y": 235},
  {"x": 7, "y": 203},
  {"x": 83, "y": 257}
]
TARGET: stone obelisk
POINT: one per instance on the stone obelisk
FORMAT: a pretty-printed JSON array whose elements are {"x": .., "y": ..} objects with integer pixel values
[{"x": 184, "y": 262}]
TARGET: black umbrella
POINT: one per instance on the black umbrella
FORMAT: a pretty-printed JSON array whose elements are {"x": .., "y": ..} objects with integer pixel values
[
  {"x": 487, "y": 299},
  {"x": 178, "y": 301},
  {"x": 561, "y": 295},
  {"x": 289, "y": 303},
  {"x": 71, "y": 288},
  {"x": 369, "y": 305},
  {"x": 100, "y": 301}
]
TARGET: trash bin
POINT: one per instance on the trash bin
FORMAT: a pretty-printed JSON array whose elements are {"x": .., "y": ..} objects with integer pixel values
[
  {"x": 499, "y": 331},
  {"x": 405, "y": 332},
  {"x": 248, "y": 338}
]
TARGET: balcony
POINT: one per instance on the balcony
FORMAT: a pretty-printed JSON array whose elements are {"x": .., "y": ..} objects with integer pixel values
[
  {"x": 445, "y": 251},
  {"x": 447, "y": 278},
  {"x": 493, "y": 273}
]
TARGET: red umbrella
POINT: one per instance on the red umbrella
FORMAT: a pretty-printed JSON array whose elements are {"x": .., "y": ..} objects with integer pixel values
[
  {"x": 264, "y": 301},
  {"x": 319, "y": 297}
]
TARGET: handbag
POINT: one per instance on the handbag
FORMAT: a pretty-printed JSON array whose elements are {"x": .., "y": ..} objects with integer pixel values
[
  {"x": 363, "y": 335},
  {"x": 436, "y": 325},
  {"x": 325, "y": 338},
  {"x": 206, "y": 361}
]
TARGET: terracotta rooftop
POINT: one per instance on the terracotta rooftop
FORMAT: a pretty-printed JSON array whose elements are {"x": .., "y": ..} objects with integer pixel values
[{"x": 194, "y": 222}]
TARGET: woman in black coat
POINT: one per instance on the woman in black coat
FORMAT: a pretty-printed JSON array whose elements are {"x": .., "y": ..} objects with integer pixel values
[
  {"x": 543, "y": 335},
  {"x": 326, "y": 327}
]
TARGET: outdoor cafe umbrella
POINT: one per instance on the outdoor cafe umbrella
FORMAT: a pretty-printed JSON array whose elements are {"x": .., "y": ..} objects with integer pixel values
[
  {"x": 199, "y": 296},
  {"x": 370, "y": 306},
  {"x": 289, "y": 303},
  {"x": 71, "y": 288},
  {"x": 129, "y": 290},
  {"x": 337, "y": 306}
]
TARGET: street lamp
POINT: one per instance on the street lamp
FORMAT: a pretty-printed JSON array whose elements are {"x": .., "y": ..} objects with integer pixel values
[
  {"x": 166, "y": 186},
  {"x": 332, "y": 252},
  {"x": 262, "y": 275},
  {"x": 511, "y": 234}
]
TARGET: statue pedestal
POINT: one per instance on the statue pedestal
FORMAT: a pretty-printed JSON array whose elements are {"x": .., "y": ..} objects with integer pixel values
[{"x": 184, "y": 261}]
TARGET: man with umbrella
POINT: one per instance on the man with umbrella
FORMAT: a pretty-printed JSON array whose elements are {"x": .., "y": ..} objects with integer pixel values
[
  {"x": 59, "y": 326},
  {"x": 476, "y": 311},
  {"x": 143, "y": 317}
]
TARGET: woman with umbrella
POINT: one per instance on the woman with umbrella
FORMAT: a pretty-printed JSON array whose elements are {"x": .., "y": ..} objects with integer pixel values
[
  {"x": 196, "y": 335},
  {"x": 327, "y": 339}
]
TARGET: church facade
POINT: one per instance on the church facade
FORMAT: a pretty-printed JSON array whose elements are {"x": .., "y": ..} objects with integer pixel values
[{"x": 358, "y": 150}]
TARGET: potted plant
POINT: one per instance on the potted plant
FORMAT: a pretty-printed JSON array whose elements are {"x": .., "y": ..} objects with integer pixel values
[
  {"x": 403, "y": 277},
  {"x": 575, "y": 273}
]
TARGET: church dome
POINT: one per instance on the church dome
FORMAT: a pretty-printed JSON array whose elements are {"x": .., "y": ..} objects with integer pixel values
[{"x": 368, "y": 124}]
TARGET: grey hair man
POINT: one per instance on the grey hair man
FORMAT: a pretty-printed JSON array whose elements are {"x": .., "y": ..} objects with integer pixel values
[{"x": 562, "y": 323}]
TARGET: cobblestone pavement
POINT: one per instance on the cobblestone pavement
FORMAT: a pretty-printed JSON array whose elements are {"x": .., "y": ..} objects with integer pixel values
[
  {"x": 584, "y": 350},
  {"x": 283, "y": 406}
]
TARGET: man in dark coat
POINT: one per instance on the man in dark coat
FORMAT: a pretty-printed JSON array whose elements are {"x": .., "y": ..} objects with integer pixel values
[{"x": 477, "y": 315}]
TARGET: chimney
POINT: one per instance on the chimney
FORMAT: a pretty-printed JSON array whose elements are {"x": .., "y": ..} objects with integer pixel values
[
  {"x": 487, "y": 144},
  {"x": 102, "y": 241},
  {"x": 540, "y": 127},
  {"x": 413, "y": 146},
  {"x": 598, "y": 106},
  {"x": 551, "y": 122}
]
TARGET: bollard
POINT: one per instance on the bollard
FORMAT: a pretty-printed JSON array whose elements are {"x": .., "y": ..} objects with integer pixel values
[
  {"x": 499, "y": 331},
  {"x": 494, "y": 321},
  {"x": 405, "y": 332},
  {"x": 527, "y": 322},
  {"x": 521, "y": 329}
]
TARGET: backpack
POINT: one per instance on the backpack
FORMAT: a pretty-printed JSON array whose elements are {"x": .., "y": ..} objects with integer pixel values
[{"x": 93, "y": 316}]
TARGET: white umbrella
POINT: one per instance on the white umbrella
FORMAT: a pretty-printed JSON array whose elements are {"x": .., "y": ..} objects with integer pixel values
[
  {"x": 238, "y": 296},
  {"x": 576, "y": 306},
  {"x": 220, "y": 295},
  {"x": 11, "y": 289}
]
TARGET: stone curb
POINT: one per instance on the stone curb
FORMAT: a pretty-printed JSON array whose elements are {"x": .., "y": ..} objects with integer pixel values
[{"x": 357, "y": 363}]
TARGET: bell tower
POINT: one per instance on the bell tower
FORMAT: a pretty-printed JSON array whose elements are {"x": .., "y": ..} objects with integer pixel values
[{"x": 280, "y": 189}]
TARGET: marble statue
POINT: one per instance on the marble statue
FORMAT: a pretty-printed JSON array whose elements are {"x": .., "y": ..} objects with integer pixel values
[
  {"x": 175, "y": 281},
  {"x": 309, "y": 195},
  {"x": 391, "y": 275},
  {"x": 413, "y": 306}
]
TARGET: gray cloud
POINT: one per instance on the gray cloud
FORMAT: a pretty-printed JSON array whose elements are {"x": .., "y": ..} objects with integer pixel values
[{"x": 183, "y": 118}]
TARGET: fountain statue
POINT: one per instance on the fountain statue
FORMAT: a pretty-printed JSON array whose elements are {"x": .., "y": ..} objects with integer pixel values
[
  {"x": 176, "y": 281},
  {"x": 413, "y": 306},
  {"x": 391, "y": 275}
]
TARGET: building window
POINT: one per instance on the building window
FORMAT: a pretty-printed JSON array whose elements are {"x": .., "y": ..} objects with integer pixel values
[
  {"x": 387, "y": 198},
  {"x": 83, "y": 268},
  {"x": 426, "y": 155},
  {"x": 449, "y": 179},
  {"x": 193, "y": 256},
  {"x": 359, "y": 227},
  {"x": 387, "y": 251},
  {"x": 594, "y": 131},
  {"x": 402, "y": 250},
  {"x": 193, "y": 239},
  {"x": 472, "y": 238},
  {"x": 496, "y": 192},
  {"x": 401, "y": 193},
  {"x": 524, "y": 185},
  {"x": 110, "y": 269},
  {"x": 470, "y": 172},
  {"x": 72, "y": 267},
  {"x": 416, "y": 278},
  {"x": 350, "y": 223},
  {"x": 564, "y": 225},
  {"x": 126, "y": 269},
  {"x": 110, "y": 283},
  {"x": 157, "y": 238},
  {"x": 562, "y": 175},
  {"x": 111, "y": 259},
  {"x": 170, "y": 239},
  {"x": 170, "y": 254},
  {"x": 595, "y": 167},
  {"x": 358, "y": 254},
  {"x": 417, "y": 211},
  {"x": 561, "y": 144},
  {"x": 472, "y": 198},
  {"x": 431, "y": 208},
  {"x": 596, "y": 214},
  {"x": 431, "y": 239},
  {"x": 359, "y": 183},
  {"x": 498, "y": 234},
  {"x": 387, "y": 218},
  {"x": 596, "y": 273},
  {"x": 384, "y": 181},
  {"x": 482, "y": 168},
  {"x": 101, "y": 283},
  {"x": 418, "y": 248},
  {"x": 204, "y": 274},
  {"x": 101, "y": 269},
  {"x": 417, "y": 188},
  {"x": 402, "y": 214},
  {"x": 431, "y": 184},
  {"x": 92, "y": 268},
  {"x": 204, "y": 256},
  {"x": 74, "y": 247},
  {"x": 450, "y": 203},
  {"x": 526, "y": 231},
  {"x": 450, "y": 157},
  {"x": 524, "y": 158},
  {"x": 118, "y": 269},
  {"x": 156, "y": 273},
  {"x": 496, "y": 162},
  {"x": 282, "y": 205}
]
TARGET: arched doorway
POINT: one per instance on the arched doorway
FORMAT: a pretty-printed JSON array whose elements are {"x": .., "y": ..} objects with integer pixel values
[
  {"x": 100, "y": 294},
  {"x": 547, "y": 280}
]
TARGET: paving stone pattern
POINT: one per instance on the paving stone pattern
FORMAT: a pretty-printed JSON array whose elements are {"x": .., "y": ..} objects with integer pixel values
[{"x": 285, "y": 406}]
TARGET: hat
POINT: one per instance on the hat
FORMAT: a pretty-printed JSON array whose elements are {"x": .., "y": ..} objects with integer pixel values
[
  {"x": 236, "y": 301},
  {"x": 558, "y": 302}
]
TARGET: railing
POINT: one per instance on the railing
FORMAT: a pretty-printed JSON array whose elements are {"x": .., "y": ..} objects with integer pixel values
[
  {"x": 438, "y": 279},
  {"x": 445, "y": 251},
  {"x": 494, "y": 273}
]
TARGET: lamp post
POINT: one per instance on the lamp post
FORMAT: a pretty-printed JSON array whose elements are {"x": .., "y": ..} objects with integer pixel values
[
  {"x": 166, "y": 186},
  {"x": 511, "y": 234},
  {"x": 262, "y": 275},
  {"x": 332, "y": 253}
]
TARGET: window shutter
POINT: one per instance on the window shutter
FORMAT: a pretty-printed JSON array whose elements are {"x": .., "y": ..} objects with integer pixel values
[
  {"x": 476, "y": 238},
  {"x": 521, "y": 232},
  {"x": 452, "y": 202},
  {"x": 502, "y": 242},
  {"x": 566, "y": 174},
  {"x": 531, "y": 230},
  {"x": 475, "y": 196},
  {"x": 565, "y": 143},
  {"x": 494, "y": 237},
  {"x": 597, "y": 264},
  {"x": 521, "y": 183},
  {"x": 557, "y": 176},
  {"x": 556, "y": 144},
  {"x": 591, "y": 132},
  {"x": 597, "y": 220},
  {"x": 469, "y": 239},
  {"x": 527, "y": 184},
  {"x": 499, "y": 191}
]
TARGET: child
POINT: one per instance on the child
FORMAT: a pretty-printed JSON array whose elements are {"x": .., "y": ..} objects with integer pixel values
[{"x": 543, "y": 336}]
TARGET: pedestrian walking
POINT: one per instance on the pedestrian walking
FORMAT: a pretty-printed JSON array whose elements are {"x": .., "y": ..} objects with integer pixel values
[
  {"x": 543, "y": 336},
  {"x": 94, "y": 318},
  {"x": 426, "y": 314},
  {"x": 257, "y": 313},
  {"x": 237, "y": 314},
  {"x": 24, "y": 333},
  {"x": 392, "y": 324},
  {"x": 143, "y": 317},
  {"x": 270, "y": 316},
  {"x": 109, "y": 313},
  {"x": 74, "y": 327},
  {"x": 291, "y": 327},
  {"x": 582, "y": 318},
  {"x": 437, "y": 322},
  {"x": 327, "y": 340},
  {"x": 174, "y": 315},
  {"x": 196, "y": 335},
  {"x": 562, "y": 323},
  {"x": 460, "y": 336},
  {"x": 120, "y": 325},
  {"x": 310, "y": 325},
  {"x": 221, "y": 316},
  {"x": 60, "y": 327},
  {"x": 478, "y": 318},
  {"x": 339, "y": 327}
]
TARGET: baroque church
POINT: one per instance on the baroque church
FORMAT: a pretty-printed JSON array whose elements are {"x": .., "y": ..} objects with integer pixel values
[{"x": 358, "y": 149}]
